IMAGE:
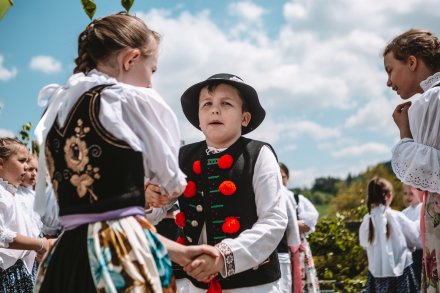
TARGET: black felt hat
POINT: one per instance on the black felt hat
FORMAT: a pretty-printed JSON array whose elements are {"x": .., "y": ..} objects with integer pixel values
[{"x": 190, "y": 100}]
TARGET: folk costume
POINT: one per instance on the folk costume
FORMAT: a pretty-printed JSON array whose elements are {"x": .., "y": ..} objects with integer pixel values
[
  {"x": 232, "y": 201},
  {"x": 101, "y": 139},
  {"x": 389, "y": 259},
  {"x": 18, "y": 268},
  {"x": 416, "y": 162},
  {"x": 413, "y": 213}
]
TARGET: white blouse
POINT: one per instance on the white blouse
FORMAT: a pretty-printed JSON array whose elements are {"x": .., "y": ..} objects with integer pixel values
[
  {"x": 292, "y": 230},
  {"x": 27, "y": 199},
  {"x": 416, "y": 161},
  {"x": 388, "y": 257},
  {"x": 307, "y": 213},
  {"x": 136, "y": 115},
  {"x": 14, "y": 220},
  {"x": 413, "y": 213}
]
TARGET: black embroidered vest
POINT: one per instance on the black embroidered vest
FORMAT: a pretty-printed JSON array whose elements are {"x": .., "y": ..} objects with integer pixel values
[
  {"x": 220, "y": 195},
  {"x": 92, "y": 171}
]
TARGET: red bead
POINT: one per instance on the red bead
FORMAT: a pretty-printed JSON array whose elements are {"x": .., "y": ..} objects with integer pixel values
[
  {"x": 181, "y": 240},
  {"x": 197, "y": 168},
  {"x": 231, "y": 225},
  {"x": 190, "y": 189},
  {"x": 225, "y": 162},
  {"x": 227, "y": 188},
  {"x": 180, "y": 219}
]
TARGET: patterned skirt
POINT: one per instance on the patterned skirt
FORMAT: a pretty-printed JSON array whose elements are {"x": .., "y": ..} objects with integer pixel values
[
  {"x": 406, "y": 283},
  {"x": 17, "y": 278},
  {"x": 121, "y": 255}
]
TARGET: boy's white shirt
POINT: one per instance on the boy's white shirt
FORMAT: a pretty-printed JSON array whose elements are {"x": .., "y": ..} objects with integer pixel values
[
  {"x": 292, "y": 230},
  {"x": 388, "y": 257},
  {"x": 307, "y": 213}
]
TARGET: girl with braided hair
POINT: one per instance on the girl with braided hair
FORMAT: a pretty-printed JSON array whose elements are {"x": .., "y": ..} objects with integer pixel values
[
  {"x": 105, "y": 135},
  {"x": 389, "y": 237},
  {"x": 412, "y": 61}
]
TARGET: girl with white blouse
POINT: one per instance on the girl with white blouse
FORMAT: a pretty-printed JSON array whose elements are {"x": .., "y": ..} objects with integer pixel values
[
  {"x": 19, "y": 241},
  {"x": 388, "y": 236}
]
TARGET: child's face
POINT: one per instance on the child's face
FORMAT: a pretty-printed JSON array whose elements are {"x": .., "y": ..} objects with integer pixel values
[
  {"x": 30, "y": 177},
  {"x": 13, "y": 169},
  {"x": 284, "y": 177},
  {"x": 401, "y": 76},
  {"x": 221, "y": 115},
  {"x": 411, "y": 196}
]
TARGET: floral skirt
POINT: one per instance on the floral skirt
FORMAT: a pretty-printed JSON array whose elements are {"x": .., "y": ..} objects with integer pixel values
[
  {"x": 121, "y": 255},
  {"x": 309, "y": 277},
  {"x": 431, "y": 265},
  {"x": 406, "y": 283},
  {"x": 17, "y": 279}
]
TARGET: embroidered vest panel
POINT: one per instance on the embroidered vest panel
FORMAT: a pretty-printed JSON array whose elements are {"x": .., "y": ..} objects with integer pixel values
[
  {"x": 92, "y": 171},
  {"x": 220, "y": 195}
]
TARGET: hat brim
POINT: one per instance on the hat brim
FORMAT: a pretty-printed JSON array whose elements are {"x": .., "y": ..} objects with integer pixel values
[{"x": 190, "y": 103}]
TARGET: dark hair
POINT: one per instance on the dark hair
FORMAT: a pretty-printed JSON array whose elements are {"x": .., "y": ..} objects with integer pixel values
[
  {"x": 9, "y": 146},
  {"x": 212, "y": 85},
  {"x": 105, "y": 36},
  {"x": 284, "y": 168},
  {"x": 421, "y": 43},
  {"x": 378, "y": 189}
]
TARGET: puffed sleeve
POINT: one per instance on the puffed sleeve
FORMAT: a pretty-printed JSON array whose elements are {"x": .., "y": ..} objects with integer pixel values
[
  {"x": 409, "y": 229},
  {"x": 140, "y": 117},
  {"x": 416, "y": 161},
  {"x": 254, "y": 245},
  {"x": 6, "y": 235},
  {"x": 307, "y": 213}
]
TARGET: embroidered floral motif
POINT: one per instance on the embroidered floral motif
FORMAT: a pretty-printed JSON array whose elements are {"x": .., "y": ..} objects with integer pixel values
[
  {"x": 76, "y": 155},
  {"x": 49, "y": 161},
  {"x": 231, "y": 225},
  {"x": 227, "y": 188},
  {"x": 228, "y": 256},
  {"x": 190, "y": 189},
  {"x": 431, "y": 261}
]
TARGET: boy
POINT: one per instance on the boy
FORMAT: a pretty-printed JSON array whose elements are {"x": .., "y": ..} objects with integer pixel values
[{"x": 232, "y": 200}]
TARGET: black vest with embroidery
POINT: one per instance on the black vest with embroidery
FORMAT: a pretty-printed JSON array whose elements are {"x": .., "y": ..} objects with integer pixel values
[
  {"x": 220, "y": 194},
  {"x": 91, "y": 170}
]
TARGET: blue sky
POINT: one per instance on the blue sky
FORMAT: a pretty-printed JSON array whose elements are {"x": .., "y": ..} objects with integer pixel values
[{"x": 316, "y": 65}]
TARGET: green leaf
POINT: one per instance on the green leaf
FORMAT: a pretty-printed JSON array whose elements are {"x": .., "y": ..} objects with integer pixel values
[
  {"x": 89, "y": 7},
  {"x": 127, "y": 4}
]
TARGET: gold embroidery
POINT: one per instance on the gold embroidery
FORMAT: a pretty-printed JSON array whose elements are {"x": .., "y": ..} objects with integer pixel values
[
  {"x": 76, "y": 155},
  {"x": 49, "y": 161}
]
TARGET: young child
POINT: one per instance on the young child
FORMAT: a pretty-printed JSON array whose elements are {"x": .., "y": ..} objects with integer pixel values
[
  {"x": 387, "y": 235},
  {"x": 289, "y": 265},
  {"x": 102, "y": 134},
  {"x": 412, "y": 199},
  {"x": 19, "y": 242},
  {"x": 304, "y": 272},
  {"x": 412, "y": 61},
  {"x": 233, "y": 197}
]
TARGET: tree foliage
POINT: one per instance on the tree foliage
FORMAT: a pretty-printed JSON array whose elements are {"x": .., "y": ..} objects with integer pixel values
[{"x": 89, "y": 6}]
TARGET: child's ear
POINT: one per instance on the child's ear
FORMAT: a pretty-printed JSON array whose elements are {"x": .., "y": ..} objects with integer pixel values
[
  {"x": 246, "y": 119},
  {"x": 130, "y": 57},
  {"x": 412, "y": 62}
]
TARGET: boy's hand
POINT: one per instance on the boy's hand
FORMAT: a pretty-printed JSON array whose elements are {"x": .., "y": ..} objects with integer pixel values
[
  {"x": 205, "y": 267},
  {"x": 400, "y": 116},
  {"x": 154, "y": 198}
]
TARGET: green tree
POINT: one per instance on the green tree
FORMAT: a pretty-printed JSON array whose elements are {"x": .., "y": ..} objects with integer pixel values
[{"x": 89, "y": 6}]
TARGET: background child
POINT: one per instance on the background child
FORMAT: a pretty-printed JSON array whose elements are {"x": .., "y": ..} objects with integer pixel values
[
  {"x": 290, "y": 274},
  {"x": 19, "y": 242},
  {"x": 412, "y": 199},
  {"x": 102, "y": 134},
  {"x": 233, "y": 196},
  {"x": 412, "y": 61},
  {"x": 387, "y": 235},
  {"x": 305, "y": 277}
]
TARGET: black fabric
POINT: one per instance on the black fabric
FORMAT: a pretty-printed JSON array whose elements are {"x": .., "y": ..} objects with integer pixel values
[
  {"x": 406, "y": 283},
  {"x": 68, "y": 264},
  {"x": 92, "y": 171},
  {"x": 216, "y": 206}
]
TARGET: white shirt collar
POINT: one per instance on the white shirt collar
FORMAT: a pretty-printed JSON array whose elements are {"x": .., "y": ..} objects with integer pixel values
[
  {"x": 430, "y": 81},
  {"x": 9, "y": 187}
]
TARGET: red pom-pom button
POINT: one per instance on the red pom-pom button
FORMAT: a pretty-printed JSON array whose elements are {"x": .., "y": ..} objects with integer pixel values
[
  {"x": 225, "y": 162},
  {"x": 231, "y": 225},
  {"x": 181, "y": 240},
  {"x": 180, "y": 219},
  {"x": 227, "y": 188},
  {"x": 197, "y": 168},
  {"x": 190, "y": 189}
]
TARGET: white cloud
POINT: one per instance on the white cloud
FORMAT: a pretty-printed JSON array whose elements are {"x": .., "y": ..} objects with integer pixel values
[
  {"x": 6, "y": 133},
  {"x": 363, "y": 149},
  {"x": 247, "y": 10},
  {"x": 45, "y": 64},
  {"x": 294, "y": 11},
  {"x": 5, "y": 73}
]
